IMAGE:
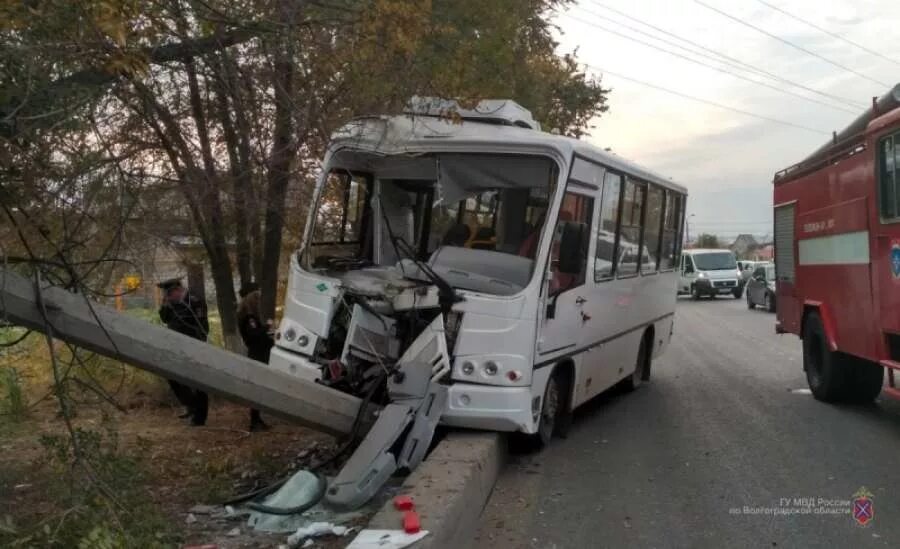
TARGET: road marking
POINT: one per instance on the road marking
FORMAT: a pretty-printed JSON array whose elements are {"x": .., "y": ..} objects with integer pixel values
[{"x": 801, "y": 391}]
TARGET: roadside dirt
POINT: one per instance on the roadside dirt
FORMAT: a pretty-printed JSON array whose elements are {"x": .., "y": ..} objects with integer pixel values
[{"x": 184, "y": 466}]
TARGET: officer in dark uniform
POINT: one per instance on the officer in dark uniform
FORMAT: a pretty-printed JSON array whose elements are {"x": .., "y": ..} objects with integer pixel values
[
  {"x": 256, "y": 335},
  {"x": 184, "y": 313}
]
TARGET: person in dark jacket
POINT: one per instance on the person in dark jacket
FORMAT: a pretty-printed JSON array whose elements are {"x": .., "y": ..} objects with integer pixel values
[
  {"x": 257, "y": 337},
  {"x": 184, "y": 313}
]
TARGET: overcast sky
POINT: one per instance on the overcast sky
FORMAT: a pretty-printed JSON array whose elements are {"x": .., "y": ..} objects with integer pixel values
[{"x": 727, "y": 159}]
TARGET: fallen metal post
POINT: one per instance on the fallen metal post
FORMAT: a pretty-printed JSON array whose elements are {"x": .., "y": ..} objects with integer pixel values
[{"x": 175, "y": 356}]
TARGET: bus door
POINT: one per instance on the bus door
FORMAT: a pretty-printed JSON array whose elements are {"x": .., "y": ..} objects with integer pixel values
[{"x": 564, "y": 316}]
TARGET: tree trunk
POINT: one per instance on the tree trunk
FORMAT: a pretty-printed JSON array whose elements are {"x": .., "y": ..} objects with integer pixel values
[
  {"x": 241, "y": 177},
  {"x": 281, "y": 158}
]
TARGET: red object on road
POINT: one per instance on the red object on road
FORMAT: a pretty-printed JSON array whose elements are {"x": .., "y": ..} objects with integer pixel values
[
  {"x": 837, "y": 257},
  {"x": 411, "y": 523},
  {"x": 403, "y": 503}
]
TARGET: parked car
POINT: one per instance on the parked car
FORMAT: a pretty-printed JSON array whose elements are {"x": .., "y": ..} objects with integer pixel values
[
  {"x": 746, "y": 267},
  {"x": 761, "y": 288},
  {"x": 709, "y": 272}
]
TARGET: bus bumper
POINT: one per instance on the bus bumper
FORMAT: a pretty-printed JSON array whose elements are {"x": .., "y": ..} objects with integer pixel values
[
  {"x": 490, "y": 408},
  {"x": 294, "y": 364}
]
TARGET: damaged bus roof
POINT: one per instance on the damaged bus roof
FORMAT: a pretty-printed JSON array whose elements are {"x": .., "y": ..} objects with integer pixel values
[{"x": 415, "y": 134}]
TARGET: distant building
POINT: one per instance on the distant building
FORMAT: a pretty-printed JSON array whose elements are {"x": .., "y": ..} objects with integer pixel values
[
  {"x": 765, "y": 252},
  {"x": 744, "y": 244}
]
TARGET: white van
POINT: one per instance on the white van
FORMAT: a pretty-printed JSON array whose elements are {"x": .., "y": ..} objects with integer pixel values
[
  {"x": 709, "y": 272},
  {"x": 527, "y": 271}
]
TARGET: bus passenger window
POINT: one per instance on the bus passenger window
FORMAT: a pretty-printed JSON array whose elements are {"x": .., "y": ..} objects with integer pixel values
[
  {"x": 671, "y": 226},
  {"x": 577, "y": 208},
  {"x": 604, "y": 263},
  {"x": 651, "y": 230},
  {"x": 630, "y": 233}
]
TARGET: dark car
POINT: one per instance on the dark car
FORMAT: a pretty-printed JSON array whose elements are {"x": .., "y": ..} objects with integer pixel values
[{"x": 760, "y": 288}]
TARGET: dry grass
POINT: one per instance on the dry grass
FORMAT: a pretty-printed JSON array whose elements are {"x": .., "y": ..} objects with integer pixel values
[{"x": 170, "y": 465}]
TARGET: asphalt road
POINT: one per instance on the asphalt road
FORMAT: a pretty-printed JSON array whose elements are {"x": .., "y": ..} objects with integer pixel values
[{"x": 718, "y": 428}]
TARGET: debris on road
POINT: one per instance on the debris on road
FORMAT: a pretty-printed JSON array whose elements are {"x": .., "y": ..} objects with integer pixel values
[
  {"x": 314, "y": 530},
  {"x": 385, "y": 539}
]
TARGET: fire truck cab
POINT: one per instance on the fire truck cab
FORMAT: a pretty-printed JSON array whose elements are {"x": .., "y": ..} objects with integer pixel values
[{"x": 837, "y": 257}]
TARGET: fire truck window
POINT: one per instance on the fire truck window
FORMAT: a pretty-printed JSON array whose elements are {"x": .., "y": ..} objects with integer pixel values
[
  {"x": 889, "y": 160},
  {"x": 604, "y": 262},
  {"x": 630, "y": 233},
  {"x": 652, "y": 223}
]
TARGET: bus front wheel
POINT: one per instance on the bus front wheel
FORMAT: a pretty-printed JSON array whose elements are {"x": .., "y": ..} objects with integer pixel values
[{"x": 551, "y": 406}]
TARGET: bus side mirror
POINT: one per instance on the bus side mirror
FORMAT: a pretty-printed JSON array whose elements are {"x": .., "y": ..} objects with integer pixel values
[{"x": 573, "y": 247}]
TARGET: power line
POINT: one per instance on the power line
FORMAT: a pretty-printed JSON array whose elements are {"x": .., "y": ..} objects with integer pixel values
[
  {"x": 828, "y": 32},
  {"x": 791, "y": 44},
  {"x": 734, "y": 61},
  {"x": 701, "y": 63},
  {"x": 708, "y": 102}
]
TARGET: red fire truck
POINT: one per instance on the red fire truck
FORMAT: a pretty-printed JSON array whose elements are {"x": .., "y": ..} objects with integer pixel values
[{"x": 837, "y": 257}]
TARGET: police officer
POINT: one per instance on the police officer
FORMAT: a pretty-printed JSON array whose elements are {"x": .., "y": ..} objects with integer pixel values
[
  {"x": 184, "y": 313},
  {"x": 257, "y": 337}
]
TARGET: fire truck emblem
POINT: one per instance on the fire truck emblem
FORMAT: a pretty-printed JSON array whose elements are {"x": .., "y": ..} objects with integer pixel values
[
  {"x": 895, "y": 259},
  {"x": 863, "y": 507}
]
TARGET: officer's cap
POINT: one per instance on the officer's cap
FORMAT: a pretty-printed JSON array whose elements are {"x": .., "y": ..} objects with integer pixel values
[{"x": 170, "y": 284}]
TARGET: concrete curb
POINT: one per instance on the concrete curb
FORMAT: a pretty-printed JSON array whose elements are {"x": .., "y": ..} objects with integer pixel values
[{"x": 450, "y": 489}]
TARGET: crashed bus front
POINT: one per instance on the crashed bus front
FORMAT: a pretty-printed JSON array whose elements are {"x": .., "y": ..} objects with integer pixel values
[{"x": 421, "y": 247}]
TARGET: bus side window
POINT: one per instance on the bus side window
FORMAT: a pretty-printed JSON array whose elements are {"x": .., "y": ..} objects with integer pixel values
[
  {"x": 671, "y": 229},
  {"x": 630, "y": 229},
  {"x": 577, "y": 208},
  {"x": 652, "y": 226},
  {"x": 604, "y": 261}
]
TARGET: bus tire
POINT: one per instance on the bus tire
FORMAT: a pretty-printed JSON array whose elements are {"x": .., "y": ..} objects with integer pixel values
[
  {"x": 866, "y": 380},
  {"x": 825, "y": 370},
  {"x": 642, "y": 365},
  {"x": 551, "y": 404}
]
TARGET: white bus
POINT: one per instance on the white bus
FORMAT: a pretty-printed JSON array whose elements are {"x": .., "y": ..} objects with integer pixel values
[{"x": 530, "y": 271}]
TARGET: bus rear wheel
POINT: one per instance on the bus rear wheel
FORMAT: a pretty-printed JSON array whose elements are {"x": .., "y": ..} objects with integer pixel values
[
  {"x": 825, "y": 370},
  {"x": 642, "y": 365}
]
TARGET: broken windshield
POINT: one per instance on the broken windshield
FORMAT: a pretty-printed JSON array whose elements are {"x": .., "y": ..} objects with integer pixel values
[{"x": 489, "y": 208}]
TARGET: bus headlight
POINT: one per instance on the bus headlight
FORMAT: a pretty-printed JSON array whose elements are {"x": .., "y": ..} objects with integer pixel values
[
  {"x": 491, "y": 368},
  {"x": 468, "y": 368},
  {"x": 290, "y": 334},
  {"x": 302, "y": 341}
]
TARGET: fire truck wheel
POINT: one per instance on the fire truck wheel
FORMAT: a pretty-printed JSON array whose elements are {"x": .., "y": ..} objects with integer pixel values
[
  {"x": 866, "y": 379},
  {"x": 825, "y": 370}
]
